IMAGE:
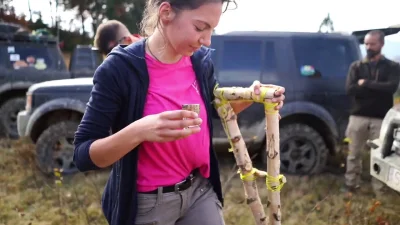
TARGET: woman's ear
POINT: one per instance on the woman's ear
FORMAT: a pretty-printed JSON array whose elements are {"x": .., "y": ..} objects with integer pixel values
[{"x": 166, "y": 13}]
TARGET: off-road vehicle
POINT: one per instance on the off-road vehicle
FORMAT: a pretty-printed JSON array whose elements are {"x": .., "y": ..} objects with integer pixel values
[
  {"x": 385, "y": 151},
  {"x": 311, "y": 66},
  {"x": 26, "y": 59}
]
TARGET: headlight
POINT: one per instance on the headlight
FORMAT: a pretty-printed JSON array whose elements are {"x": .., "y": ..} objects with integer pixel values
[{"x": 28, "y": 105}]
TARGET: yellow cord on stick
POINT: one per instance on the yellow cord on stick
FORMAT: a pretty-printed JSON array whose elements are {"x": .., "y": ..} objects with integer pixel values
[
  {"x": 263, "y": 94},
  {"x": 269, "y": 108},
  {"x": 219, "y": 104},
  {"x": 281, "y": 179},
  {"x": 248, "y": 176}
]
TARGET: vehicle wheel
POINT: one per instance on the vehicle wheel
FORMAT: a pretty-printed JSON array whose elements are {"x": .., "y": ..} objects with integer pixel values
[
  {"x": 303, "y": 150},
  {"x": 8, "y": 117},
  {"x": 55, "y": 148}
]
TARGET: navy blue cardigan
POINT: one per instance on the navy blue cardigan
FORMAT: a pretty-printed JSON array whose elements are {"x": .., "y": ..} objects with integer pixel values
[{"x": 117, "y": 99}]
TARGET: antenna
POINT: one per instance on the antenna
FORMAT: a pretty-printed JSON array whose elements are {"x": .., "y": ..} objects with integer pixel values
[{"x": 57, "y": 23}]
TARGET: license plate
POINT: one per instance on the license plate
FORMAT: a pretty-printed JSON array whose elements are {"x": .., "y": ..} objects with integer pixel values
[{"x": 394, "y": 178}]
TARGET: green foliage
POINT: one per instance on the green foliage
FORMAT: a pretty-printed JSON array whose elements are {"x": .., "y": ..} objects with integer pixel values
[{"x": 128, "y": 12}]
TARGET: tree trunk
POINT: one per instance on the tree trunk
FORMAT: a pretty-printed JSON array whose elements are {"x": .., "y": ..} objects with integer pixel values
[
  {"x": 249, "y": 174},
  {"x": 30, "y": 11}
]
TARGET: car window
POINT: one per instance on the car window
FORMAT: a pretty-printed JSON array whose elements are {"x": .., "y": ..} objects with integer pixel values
[
  {"x": 84, "y": 58},
  {"x": 269, "y": 57},
  {"x": 329, "y": 56},
  {"x": 3, "y": 50},
  {"x": 241, "y": 61},
  {"x": 29, "y": 57}
]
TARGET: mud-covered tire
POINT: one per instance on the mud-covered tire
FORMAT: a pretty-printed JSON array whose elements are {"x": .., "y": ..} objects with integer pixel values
[
  {"x": 8, "y": 117},
  {"x": 55, "y": 148},
  {"x": 303, "y": 150}
]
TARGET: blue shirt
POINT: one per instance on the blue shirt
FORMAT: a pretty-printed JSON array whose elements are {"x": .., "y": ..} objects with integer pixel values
[{"x": 117, "y": 99}]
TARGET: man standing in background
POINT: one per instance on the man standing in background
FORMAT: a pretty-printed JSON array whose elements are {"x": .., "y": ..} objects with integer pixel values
[{"x": 371, "y": 83}]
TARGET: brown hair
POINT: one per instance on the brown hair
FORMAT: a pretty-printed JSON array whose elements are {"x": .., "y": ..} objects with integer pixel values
[
  {"x": 106, "y": 33},
  {"x": 150, "y": 16},
  {"x": 379, "y": 33}
]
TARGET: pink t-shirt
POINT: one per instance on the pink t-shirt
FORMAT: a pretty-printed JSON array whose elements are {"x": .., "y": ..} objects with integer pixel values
[{"x": 163, "y": 164}]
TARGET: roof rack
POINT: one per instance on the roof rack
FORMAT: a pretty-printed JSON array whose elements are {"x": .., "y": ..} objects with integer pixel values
[
  {"x": 360, "y": 34},
  {"x": 14, "y": 33},
  {"x": 9, "y": 27}
]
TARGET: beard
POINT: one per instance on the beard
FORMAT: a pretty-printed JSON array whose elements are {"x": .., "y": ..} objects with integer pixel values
[{"x": 372, "y": 53}]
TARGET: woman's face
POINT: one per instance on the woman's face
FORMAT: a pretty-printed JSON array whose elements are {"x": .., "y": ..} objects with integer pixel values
[{"x": 187, "y": 30}]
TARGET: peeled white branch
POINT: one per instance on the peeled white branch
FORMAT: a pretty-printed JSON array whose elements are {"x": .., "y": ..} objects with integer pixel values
[
  {"x": 249, "y": 174},
  {"x": 243, "y": 161}
]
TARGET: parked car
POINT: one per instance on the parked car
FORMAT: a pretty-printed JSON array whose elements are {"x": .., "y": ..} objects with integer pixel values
[
  {"x": 311, "y": 66},
  {"x": 26, "y": 59}
]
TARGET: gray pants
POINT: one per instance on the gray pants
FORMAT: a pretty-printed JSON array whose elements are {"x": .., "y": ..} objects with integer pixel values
[
  {"x": 197, "y": 205},
  {"x": 359, "y": 130}
]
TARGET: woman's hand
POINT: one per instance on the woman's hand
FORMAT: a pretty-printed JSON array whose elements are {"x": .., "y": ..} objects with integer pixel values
[
  {"x": 169, "y": 125},
  {"x": 279, "y": 97},
  {"x": 279, "y": 93}
]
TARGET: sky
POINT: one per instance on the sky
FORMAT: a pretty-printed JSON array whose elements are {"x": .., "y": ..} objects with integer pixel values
[{"x": 284, "y": 15}]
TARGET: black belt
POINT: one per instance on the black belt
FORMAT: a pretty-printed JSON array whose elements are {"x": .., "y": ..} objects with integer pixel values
[{"x": 180, "y": 186}]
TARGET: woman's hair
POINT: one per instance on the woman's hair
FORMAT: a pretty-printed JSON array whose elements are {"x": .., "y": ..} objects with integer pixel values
[
  {"x": 150, "y": 15},
  {"x": 106, "y": 33}
]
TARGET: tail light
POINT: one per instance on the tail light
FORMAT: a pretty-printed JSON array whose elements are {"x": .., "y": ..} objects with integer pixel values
[{"x": 28, "y": 104}]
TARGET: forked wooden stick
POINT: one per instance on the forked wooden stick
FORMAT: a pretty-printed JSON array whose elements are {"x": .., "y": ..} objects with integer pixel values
[
  {"x": 275, "y": 180},
  {"x": 248, "y": 173}
]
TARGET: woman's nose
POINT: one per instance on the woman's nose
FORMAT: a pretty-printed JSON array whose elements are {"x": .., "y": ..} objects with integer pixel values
[{"x": 205, "y": 41}]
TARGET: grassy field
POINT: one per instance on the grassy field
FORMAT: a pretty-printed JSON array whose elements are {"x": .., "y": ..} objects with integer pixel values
[{"x": 28, "y": 198}]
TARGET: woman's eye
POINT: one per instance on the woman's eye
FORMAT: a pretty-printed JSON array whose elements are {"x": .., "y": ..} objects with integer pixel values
[{"x": 198, "y": 29}]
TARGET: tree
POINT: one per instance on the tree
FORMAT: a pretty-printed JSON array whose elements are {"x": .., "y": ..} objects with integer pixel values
[
  {"x": 82, "y": 8},
  {"x": 128, "y": 12},
  {"x": 5, "y": 7},
  {"x": 7, "y": 14}
]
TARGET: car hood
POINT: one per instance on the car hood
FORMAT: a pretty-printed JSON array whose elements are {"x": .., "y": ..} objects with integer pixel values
[{"x": 71, "y": 84}]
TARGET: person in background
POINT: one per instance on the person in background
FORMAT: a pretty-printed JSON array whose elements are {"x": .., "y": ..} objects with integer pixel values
[
  {"x": 371, "y": 83},
  {"x": 112, "y": 33}
]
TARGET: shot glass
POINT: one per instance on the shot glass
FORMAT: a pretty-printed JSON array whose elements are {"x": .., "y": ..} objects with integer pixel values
[{"x": 193, "y": 108}]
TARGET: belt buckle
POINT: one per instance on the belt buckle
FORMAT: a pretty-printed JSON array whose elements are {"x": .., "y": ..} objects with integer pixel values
[
  {"x": 188, "y": 179},
  {"x": 191, "y": 178},
  {"x": 177, "y": 186}
]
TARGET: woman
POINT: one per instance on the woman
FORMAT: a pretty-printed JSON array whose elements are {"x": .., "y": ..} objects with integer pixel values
[{"x": 162, "y": 173}]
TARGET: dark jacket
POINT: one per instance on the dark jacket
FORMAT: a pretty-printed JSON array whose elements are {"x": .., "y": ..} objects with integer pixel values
[
  {"x": 117, "y": 99},
  {"x": 375, "y": 97}
]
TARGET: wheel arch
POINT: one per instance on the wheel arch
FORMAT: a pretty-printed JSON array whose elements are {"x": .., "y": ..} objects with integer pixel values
[
  {"x": 310, "y": 114},
  {"x": 317, "y": 124},
  {"x": 53, "y": 112}
]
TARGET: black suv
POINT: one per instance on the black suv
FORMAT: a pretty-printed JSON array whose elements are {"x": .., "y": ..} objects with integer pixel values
[
  {"x": 311, "y": 66},
  {"x": 26, "y": 59}
]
